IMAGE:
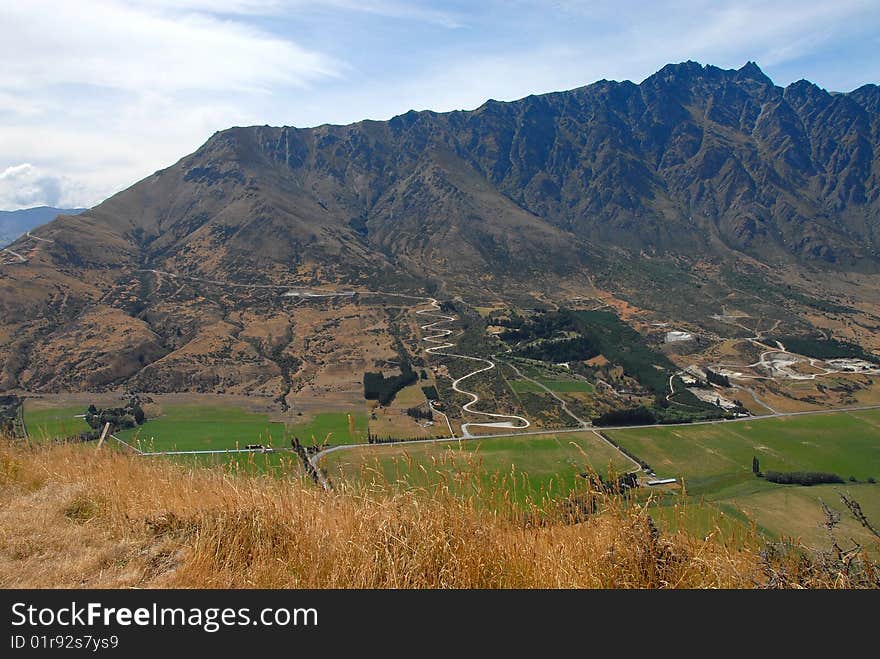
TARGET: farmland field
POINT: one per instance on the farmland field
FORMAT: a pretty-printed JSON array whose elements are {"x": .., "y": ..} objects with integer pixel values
[
  {"x": 51, "y": 423},
  {"x": 332, "y": 427},
  {"x": 202, "y": 427},
  {"x": 797, "y": 512},
  {"x": 554, "y": 379},
  {"x": 525, "y": 387},
  {"x": 713, "y": 457},
  {"x": 283, "y": 462},
  {"x": 568, "y": 386},
  {"x": 715, "y": 463},
  {"x": 550, "y": 462},
  {"x": 554, "y": 385}
]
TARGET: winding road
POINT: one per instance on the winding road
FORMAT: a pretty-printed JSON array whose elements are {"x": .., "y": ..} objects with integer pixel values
[
  {"x": 439, "y": 347},
  {"x": 517, "y": 422},
  {"x": 505, "y": 421}
]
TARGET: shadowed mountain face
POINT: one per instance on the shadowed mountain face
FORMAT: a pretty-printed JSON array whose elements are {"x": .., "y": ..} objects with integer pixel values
[
  {"x": 694, "y": 165},
  {"x": 692, "y": 157}
]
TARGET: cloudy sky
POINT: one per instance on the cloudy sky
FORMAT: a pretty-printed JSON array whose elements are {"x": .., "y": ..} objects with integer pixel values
[{"x": 96, "y": 94}]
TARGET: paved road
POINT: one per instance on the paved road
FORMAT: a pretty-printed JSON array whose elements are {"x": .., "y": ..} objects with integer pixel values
[
  {"x": 438, "y": 440},
  {"x": 124, "y": 443},
  {"x": 512, "y": 422},
  {"x": 291, "y": 291},
  {"x": 439, "y": 349}
]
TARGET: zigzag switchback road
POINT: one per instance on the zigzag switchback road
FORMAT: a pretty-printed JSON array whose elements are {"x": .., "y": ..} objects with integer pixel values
[{"x": 513, "y": 421}]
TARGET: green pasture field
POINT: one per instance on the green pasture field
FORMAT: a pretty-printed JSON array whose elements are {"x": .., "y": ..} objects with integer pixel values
[
  {"x": 331, "y": 427},
  {"x": 525, "y": 387},
  {"x": 714, "y": 457},
  {"x": 277, "y": 463},
  {"x": 557, "y": 385},
  {"x": 204, "y": 427},
  {"x": 715, "y": 462},
  {"x": 796, "y": 512},
  {"x": 534, "y": 465},
  {"x": 54, "y": 423},
  {"x": 568, "y": 386}
]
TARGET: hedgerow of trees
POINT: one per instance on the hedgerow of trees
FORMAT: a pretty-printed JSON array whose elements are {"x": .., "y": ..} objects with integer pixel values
[
  {"x": 378, "y": 387},
  {"x": 119, "y": 418},
  {"x": 802, "y": 477}
]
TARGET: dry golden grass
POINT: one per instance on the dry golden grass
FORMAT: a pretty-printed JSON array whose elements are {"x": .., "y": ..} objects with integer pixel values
[{"x": 74, "y": 517}]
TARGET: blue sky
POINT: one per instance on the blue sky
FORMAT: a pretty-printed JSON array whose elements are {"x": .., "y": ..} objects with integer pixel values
[{"x": 96, "y": 94}]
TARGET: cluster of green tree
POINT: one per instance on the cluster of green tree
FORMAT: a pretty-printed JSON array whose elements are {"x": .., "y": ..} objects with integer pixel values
[
  {"x": 565, "y": 350},
  {"x": 618, "y": 485},
  {"x": 825, "y": 348},
  {"x": 678, "y": 415},
  {"x": 378, "y": 387},
  {"x": 420, "y": 413},
  {"x": 684, "y": 397},
  {"x": 717, "y": 378},
  {"x": 431, "y": 392},
  {"x": 623, "y": 345},
  {"x": 696, "y": 409},
  {"x": 119, "y": 418},
  {"x": 514, "y": 321},
  {"x": 802, "y": 477},
  {"x": 388, "y": 439},
  {"x": 544, "y": 326},
  {"x": 631, "y": 416},
  {"x": 662, "y": 414},
  {"x": 473, "y": 339}
]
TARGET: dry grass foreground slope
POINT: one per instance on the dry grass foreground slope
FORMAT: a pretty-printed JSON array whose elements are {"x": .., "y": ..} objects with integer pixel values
[{"x": 74, "y": 517}]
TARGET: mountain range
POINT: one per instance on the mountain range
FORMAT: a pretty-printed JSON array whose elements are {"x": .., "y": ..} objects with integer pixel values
[
  {"x": 696, "y": 187},
  {"x": 18, "y": 222}
]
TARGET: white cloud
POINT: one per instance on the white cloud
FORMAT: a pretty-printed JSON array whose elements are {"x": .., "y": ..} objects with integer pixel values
[
  {"x": 120, "y": 46},
  {"x": 103, "y": 92},
  {"x": 96, "y": 94},
  {"x": 628, "y": 40},
  {"x": 24, "y": 186},
  {"x": 391, "y": 9}
]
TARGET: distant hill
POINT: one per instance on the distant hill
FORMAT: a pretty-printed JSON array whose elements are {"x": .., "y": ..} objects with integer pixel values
[{"x": 16, "y": 223}]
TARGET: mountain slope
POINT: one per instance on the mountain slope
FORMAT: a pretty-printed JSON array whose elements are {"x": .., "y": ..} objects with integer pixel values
[{"x": 666, "y": 193}]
